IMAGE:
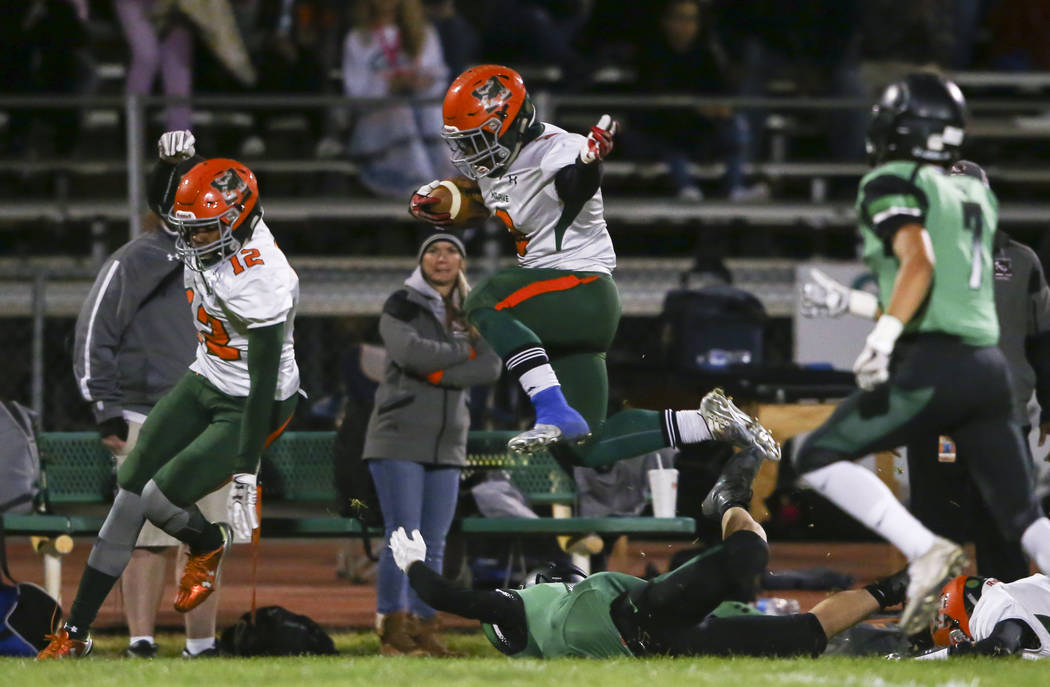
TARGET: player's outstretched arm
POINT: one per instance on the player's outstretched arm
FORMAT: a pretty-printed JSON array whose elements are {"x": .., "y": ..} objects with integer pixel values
[
  {"x": 822, "y": 296},
  {"x": 576, "y": 183}
]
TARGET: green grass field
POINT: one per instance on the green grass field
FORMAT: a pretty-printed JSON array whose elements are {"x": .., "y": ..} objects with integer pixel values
[{"x": 358, "y": 664}]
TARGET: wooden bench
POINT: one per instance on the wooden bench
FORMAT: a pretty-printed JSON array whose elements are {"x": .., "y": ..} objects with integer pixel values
[{"x": 299, "y": 493}]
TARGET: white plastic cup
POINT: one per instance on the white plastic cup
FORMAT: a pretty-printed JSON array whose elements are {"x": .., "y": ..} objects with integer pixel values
[{"x": 663, "y": 484}]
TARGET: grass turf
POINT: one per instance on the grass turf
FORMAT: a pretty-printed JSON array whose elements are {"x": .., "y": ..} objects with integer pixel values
[{"x": 358, "y": 664}]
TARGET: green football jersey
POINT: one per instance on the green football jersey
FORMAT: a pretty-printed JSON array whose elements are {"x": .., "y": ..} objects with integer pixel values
[
  {"x": 572, "y": 620},
  {"x": 960, "y": 214}
]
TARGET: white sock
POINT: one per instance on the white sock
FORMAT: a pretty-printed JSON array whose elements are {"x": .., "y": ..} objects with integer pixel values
[
  {"x": 863, "y": 495},
  {"x": 1036, "y": 543},
  {"x": 538, "y": 379},
  {"x": 195, "y": 646},
  {"x": 687, "y": 427},
  {"x": 137, "y": 638}
]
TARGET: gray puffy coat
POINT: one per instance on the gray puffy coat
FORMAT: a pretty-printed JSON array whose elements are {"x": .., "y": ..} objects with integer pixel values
[{"x": 415, "y": 418}]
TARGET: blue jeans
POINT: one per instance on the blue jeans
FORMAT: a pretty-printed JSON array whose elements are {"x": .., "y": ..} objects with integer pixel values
[{"x": 413, "y": 496}]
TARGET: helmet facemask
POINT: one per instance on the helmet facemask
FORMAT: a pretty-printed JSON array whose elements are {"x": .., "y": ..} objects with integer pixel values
[
  {"x": 203, "y": 257},
  {"x": 477, "y": 152}
]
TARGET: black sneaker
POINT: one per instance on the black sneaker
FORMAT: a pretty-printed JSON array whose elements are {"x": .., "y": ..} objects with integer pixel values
[
  {"x": 733, "y": 487},
  {"x": 143, "y": 648},
  {"x": 212, "y": 652}
]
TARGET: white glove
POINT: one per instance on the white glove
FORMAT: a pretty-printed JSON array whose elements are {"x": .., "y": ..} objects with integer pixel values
[
  {"x": 407, "y": 551},
  {"x": 873, "y": 365},
  {"x": 825, "y": 297},
  {"x": 241, "y": 505},
  {"x": 176, "y": 146}
]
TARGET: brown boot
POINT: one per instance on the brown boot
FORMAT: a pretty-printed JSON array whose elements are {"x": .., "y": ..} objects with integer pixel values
[
  {"x": 428, "y": 639},
  {"x": 395, "y": 638}
]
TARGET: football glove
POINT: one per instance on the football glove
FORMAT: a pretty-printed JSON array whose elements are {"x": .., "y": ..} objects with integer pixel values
[
  {"x": 407, "y": 550},
  {"x": 822, "y": 296},
  {"x": 176, "y": 146},
  {"x": 599, "y": 142},
  {"x": 419, "y": 206},
  {"x": 873, "y": 365},
  {"x": 241, "y": 506}
]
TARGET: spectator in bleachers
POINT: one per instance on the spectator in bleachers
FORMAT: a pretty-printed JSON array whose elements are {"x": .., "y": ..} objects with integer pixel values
[
  {"x": 298, "y": 47},
  {"x": 685, "y": 58},
  {"x": 160, "y": 34},
  {"x": 536, "y": 32},
  {"x": 393, "y": 51},
  {"x": 460, "y": 42},
  {"x": 43, "y": 50},
  {"x": 813, "y": 43},
  {"x": 416, "y": 440},
  {"x": 1019, "y": 29}
]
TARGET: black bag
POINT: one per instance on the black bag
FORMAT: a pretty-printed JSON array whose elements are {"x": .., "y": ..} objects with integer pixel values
[
  {"x": 713, "y": 329},
  {"x": 27, "y": 613},
  {"x": 353, "y": 480},
  {"x": 276, "y": 632},
  {"x": 19, "y": 458}
]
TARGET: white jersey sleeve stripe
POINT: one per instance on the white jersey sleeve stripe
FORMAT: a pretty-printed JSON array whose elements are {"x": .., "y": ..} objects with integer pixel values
[{"x": 84, "y": 390}]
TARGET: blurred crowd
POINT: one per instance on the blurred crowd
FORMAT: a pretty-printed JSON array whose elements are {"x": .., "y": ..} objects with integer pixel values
[{"x": 375, "y": 48}]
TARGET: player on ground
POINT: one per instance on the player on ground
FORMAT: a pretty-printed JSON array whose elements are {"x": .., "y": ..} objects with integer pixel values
[
  {"x": 986, "y": 617},
  {"x": 931, "y": 365},
  {"x": 553, "y": 316},
  {"x": 236, "y": 398},
  {"x": 695, "y": 609}
]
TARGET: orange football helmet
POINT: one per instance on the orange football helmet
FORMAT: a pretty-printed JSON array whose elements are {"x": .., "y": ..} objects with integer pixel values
[
  {"x": 487, "y": 112},
  {"x": 215, "y": 194},
  {"x": 958, "y": 597}
]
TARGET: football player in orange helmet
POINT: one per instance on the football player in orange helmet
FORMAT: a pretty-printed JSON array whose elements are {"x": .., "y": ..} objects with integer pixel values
[
  {"x": 553, "y": 316},
  {"x": 983, "y": 616},
  {"x": 237, "y": 397}
]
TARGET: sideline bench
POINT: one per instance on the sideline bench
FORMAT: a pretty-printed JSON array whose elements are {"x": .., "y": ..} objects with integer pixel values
[{"x": 300, "y": 498}]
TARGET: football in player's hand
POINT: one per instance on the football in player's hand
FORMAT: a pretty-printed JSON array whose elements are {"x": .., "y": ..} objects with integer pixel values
[{"x": 461, "y": 198}]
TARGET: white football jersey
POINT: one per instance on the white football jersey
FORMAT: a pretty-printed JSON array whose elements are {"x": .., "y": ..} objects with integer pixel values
[
  {"x": 254, "y": 288},
  {"x": 1027, "y": 600},
  {"x": 525, "y": 200}
]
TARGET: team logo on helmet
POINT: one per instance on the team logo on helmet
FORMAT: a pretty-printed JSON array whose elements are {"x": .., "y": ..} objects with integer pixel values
[
  {"x": 493, "y": 95},
  {"x": 230, "y": 185}
]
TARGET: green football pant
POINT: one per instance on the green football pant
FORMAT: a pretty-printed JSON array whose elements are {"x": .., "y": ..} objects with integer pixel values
[
  {"x": 188, "y": 444},
  {"x": 573, "y": 316}
]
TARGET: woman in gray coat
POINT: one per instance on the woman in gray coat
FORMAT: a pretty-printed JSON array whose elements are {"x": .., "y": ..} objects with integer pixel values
[{"x": 417, "y": 436}]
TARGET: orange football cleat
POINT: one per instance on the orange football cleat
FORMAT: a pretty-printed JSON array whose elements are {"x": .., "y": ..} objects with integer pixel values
[
  {"x": 61, "y": 645},
  {"x": 201, "y": 575}
]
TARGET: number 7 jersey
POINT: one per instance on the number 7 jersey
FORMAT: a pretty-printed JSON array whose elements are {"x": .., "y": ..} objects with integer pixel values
[
  {"x": 254, "y": 288},
  {"x": 960, "y": 214}
]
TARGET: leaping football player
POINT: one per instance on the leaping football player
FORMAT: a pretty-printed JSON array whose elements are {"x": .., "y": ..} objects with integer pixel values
[
  {"x": 553, "y": 316},
  {"x": 235, "y": 399}
]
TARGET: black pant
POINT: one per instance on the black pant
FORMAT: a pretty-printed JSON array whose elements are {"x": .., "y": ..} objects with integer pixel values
[
  {"x": 947, "y": 501},
  {"x": 670, "y": 615},
  {"x": 938, "y": 385}
]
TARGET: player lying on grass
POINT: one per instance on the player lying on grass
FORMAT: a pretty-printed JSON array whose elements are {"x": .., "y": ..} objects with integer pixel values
[
  {"x": 692, "y": 610},
  {"x": 981, "y": 616}
]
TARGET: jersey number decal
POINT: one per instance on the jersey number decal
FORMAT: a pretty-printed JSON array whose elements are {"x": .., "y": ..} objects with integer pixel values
[
  {"x": 251, "y": 259},
  {"x": 216, "y": 339},
  {"x": 973, "y": 221}
]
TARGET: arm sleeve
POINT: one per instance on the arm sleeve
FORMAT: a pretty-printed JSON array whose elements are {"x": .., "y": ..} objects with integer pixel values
[
  {"x": 576, "y": 183},
  {"x": 1006, "y": 639},
  {"x": 96, "y": 342},
  {"x": 162, "y": 181},
  {"x": 404, "y": 345},
  {"x": 888, "y": 202},
  {"x": 264, "y": 360},
  {"x": 483, "y": 369},
  {"x": 497, "y": 607}
]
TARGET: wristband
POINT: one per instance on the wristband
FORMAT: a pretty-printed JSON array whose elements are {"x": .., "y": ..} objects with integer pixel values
[
  {"x": 885, "y": 334},
  {"x": 863, "y": 304}
]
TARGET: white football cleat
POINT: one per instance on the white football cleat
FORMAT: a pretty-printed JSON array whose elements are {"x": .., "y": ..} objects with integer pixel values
[
  {"x": 728, "y": 423},
  {"x": 535, "y": 439},
  {"x": 927, "y": 575}
]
